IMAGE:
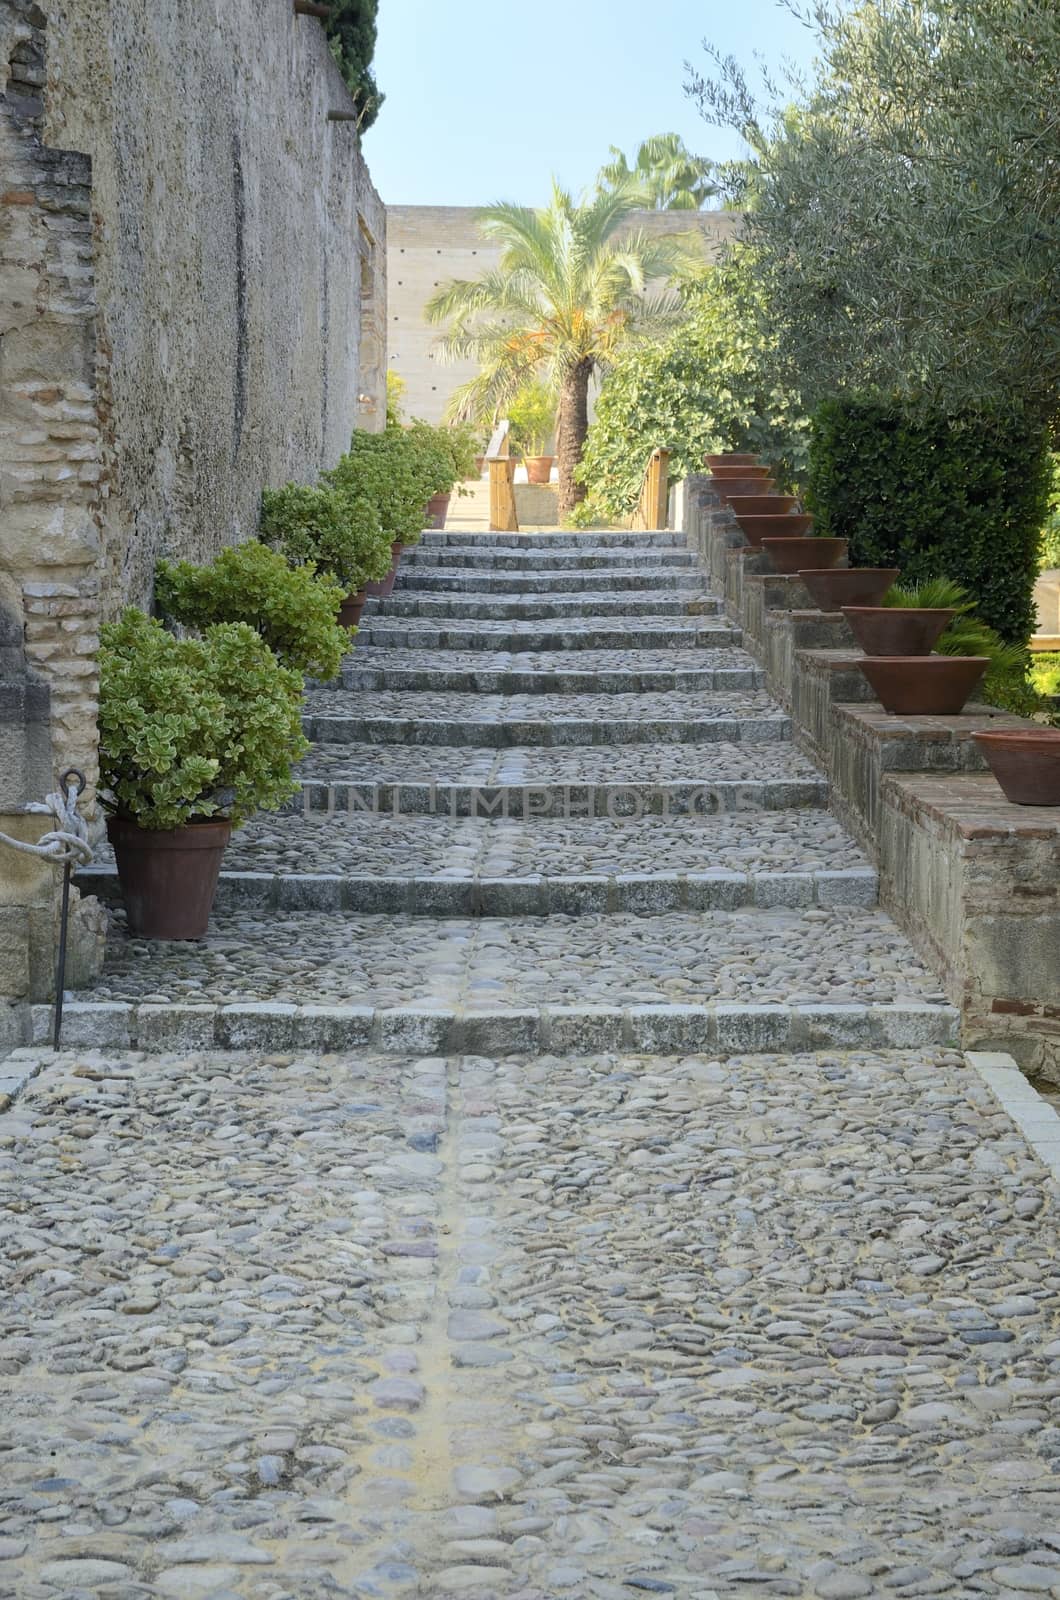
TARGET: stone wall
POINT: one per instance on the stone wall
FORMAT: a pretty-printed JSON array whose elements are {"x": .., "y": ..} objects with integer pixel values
[
  {"x": 192, "y": 306},
  {"x": 428, "y": 245}
]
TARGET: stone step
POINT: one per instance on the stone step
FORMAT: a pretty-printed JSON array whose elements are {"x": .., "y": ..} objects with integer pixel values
[
  {"x": 531, "y": 607},
  {"x": 569, "y": 782},
  {"x": 577, "y": 633},
  {"x": 596, "y": 538},
  {"x": 424, "y": 580},
  {"x": 337, "y": 716},
  {"x": 549, "y": 672},
  {"x": 732, "y": 981},
  {"x": 591, "y": 558},
  {"x": 443, "y": 867}
]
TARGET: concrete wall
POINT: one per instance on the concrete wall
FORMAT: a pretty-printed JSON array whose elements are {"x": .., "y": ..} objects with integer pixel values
[
  {"x": 428, "y": 245},
  {"x": 192, "y": 306}
]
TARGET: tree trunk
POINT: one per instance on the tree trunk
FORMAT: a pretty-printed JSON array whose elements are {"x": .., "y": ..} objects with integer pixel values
[{"x": 571, "y": 427}]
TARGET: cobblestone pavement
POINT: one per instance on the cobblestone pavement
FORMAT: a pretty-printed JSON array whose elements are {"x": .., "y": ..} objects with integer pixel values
[
  {"x": 283, "y": 1327},
  {"x": 368, "y": 1321}
]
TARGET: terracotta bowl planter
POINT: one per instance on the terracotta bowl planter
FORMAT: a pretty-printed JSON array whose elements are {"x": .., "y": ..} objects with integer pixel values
[
  {"x": 732, "y": 458},
  {"x": 896, "y": 630},
  {"x": 761, "y": 505},
  {"x": 924, "y": 686},
  {"x": 752, "y": 472},
  {"x": 788, "y": 555},
  {"x": 385, "y": 586},
  {"x": 727, "y": 489},
  {"x": 790, "y": 526},
  {"x": 1026, "y": 763},
  {"x": 847, "y": 586},
  {"x": 538, "y": 469},
  {"x": 437, "y": 510},
  {"x": 168, "y": 876}
]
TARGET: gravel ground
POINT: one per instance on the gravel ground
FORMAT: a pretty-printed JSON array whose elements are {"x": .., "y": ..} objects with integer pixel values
[{"x": 283, "y": 1328}]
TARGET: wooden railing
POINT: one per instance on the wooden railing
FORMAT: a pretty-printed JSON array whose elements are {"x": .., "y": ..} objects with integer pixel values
[
  {"x": 503, "y": 518},
  {"x": 653, "y": 507}
]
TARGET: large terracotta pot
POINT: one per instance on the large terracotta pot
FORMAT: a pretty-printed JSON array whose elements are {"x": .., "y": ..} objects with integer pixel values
[
  {"x": 732, "y": 458},
  {"x": 437, "y": 510},
  {"x": 168, "y": 876},
  {"x": 746, "y": 471},
  {"x": 847, "y": 586},
  {"x": 790, "y": 526},
  {"x": 1025, "y": 762},
  {"x": 538, "y": 469},
  {"x": 385, "y": 586},
  {"x": 727, "y": 489},
  {"x": 788, "y": 555},
  {"x": 351, "y": 608},
  {"x": 923, "y": 686},
  {"x": 897, "y": 630},
  {"x": 761, "y": 505}
]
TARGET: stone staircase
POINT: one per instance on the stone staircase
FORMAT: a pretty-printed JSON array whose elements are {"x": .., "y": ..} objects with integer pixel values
[{"x": 549, "y": 808}]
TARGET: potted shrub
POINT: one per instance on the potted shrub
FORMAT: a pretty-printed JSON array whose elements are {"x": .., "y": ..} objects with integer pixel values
[
  {"x": 788, "y": 555},
  {"x": 966, "y": 652},
  {"x": 291, "y": 607},
  {"x": 532, "y": 415},
  {"x": 908, "y": 621},
  {"x": 195, "y": 735},
  {"x": 393, "y": 473},
  {"x": 336, "y": 528}
]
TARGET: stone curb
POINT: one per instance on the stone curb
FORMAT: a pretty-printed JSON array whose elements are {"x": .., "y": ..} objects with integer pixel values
[
  {"x": 534, "y": 895},
  {"x": 545, "y": 733},
  {"x": 593, "y": 558},
  {"x": 564, "y": 799},
  {"x": 384, "y": 633},
  {"x": 443, "y": 580},
  {"x": 1034, "y": 1117},
  {"x": 599, "y": 539},
  {"x": 642, "y": 1030},
  {"x": 544, "y": 608}
]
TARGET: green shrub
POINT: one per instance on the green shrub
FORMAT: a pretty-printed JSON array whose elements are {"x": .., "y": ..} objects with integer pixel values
[
  {"x": 292, "y": 609},
  {"x": 532, "y": 415},
  {"x": 341, "y": 536},
  {"x": 1006, "y": 683},
  {"x": 351, "y": 31},
  {"x": 935, "y": 494},
  {"x": 194, "y": 727},
  {"x": 1049, "y": 554},
  {"x": 1045, "y": 672},
  {"x": 395, "y": 473}
]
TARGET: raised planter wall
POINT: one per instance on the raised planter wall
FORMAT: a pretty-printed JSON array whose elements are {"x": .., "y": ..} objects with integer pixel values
[{"x": 973, "y": 881}]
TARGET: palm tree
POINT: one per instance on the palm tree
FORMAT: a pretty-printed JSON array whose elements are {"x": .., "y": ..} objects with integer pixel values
[
  {"x": 568, "y": 290},
  {"x": 666, "y": 174}
]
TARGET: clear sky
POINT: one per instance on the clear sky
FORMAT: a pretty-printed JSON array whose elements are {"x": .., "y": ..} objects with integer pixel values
[{"x": 485, "y": 99}]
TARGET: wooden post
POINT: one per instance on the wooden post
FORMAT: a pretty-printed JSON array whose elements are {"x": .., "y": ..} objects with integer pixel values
[
  {"x": 502, "y": 496},
  {"x": 654, "y": 508},
  {"x": 344, "y": 116}
]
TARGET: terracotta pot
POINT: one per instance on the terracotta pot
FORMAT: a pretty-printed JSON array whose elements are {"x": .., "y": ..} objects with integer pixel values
[
  {"x": 1025, "y": 762},
  {"x": 168, "y": 876},
  {"x": 923, "y": 686},
  {"x": 385, "y": 586},
  {"x": 437, "y": 510},
  {"x": 848, "y": 586},
  {"x": 746, "y": 471},
  {"x": 791, "y": 526},
  {"x": 896, "y": 630},
  {"x": 761, "y": 505},
  {"x": 732, "y": 458},
  {"x": 788, "y": 555},
  {"x": 351, "y": 608},
  {"x": 538, "y": 468},
  {"x": 728, "y": 489}
]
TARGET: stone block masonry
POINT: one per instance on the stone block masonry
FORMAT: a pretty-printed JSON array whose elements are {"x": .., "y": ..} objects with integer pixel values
[{"x": 192, "y": 307}]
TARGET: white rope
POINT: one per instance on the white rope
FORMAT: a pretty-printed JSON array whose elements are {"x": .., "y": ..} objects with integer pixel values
[{"x": 66, "y": 844}]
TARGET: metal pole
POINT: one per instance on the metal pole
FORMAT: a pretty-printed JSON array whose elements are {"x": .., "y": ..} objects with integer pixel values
[{"x": 72, "y": 779}]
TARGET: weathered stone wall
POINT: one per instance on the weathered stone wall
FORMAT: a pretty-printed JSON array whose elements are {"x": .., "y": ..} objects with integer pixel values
[
  {"x": 192, "y": 306},
  {"x": 428, "y": 245}
]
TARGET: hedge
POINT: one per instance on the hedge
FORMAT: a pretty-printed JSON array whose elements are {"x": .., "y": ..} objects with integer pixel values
[{"x": 936, "y": 495}]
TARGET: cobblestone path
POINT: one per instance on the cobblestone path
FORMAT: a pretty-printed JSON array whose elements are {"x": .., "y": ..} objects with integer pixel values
[{"x": 596, "y": 1205}]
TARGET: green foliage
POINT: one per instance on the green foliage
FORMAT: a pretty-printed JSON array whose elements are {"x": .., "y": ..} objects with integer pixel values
[
  {"x": 935, "y": 494},
  {"x": 1050, "y": 546},
  {"x": 195, "y": 727},
  {"x": 1045, "y": 672},
  {"x": 351, "y": 29},
  {"x": 396, "y": 389},
  {"x": 532, "y": 414},
  {"x": 447, "y": 453},
  {"x": 905, "y": 207},
  {"x": 586, "y": 514},
  {"x": 665, "y": 175},
  {"x": 394, "y": 474},
  {"x": 340, "y": 534},
  {"x": 713, "y": 384},
  {"x": 931, "y": 594},
  {"x": 290, "y": 608},
  {"x": 1006, "y": 683}
]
